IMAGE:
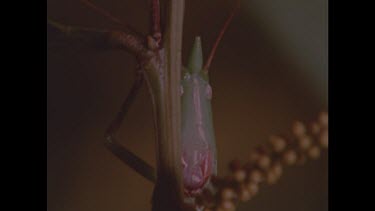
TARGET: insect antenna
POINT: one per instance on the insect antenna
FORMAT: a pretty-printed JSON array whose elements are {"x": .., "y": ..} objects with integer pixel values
[
  {"x": 106, "y": 14},
  {"x": 221, "y": 33}
]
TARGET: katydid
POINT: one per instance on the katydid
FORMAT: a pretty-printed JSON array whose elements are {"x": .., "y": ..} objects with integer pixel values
[
  {"x": 198, "y": 158},
  {"x": 198, "y": 139}
]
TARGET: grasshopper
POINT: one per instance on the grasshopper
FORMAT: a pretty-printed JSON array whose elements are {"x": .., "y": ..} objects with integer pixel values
[{"x": 198, "y": 158}]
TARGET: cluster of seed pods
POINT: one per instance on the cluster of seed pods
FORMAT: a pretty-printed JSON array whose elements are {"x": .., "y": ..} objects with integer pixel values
[{"x": 265, "y": 165}]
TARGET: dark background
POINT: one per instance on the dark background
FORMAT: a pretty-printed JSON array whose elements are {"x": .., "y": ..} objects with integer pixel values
[{"x": 270, "y": 69}]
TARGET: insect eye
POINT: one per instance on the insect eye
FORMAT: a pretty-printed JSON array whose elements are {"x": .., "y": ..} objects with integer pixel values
[
  {"x": 187, "y": 76},
  {"x": 205, "y": 165},
  {"x": 184, "y": 164},
  {"x": 181, "y": 90},
  {"x": 208, "y": 92}
]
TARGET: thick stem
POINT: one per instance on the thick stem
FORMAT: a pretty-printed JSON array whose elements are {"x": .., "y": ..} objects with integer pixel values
[{"x": 168, "y": 193}]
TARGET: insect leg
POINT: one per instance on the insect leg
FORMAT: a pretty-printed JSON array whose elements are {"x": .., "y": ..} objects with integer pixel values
[
  {"x": 155, "y": 21},
  {"x": 106, "y": 14},
  {"x": 220, "y": 36},
  {"x": 129, "y": 158}
]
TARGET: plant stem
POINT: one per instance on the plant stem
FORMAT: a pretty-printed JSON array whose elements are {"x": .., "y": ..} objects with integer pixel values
[{"x": 168, "y": 193}]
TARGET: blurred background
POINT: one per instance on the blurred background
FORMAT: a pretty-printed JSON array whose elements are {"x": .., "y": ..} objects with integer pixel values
[{"x": 270, "y": 69}]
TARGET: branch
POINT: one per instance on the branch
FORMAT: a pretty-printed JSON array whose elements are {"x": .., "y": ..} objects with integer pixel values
[{"x": 168, "y": 194}]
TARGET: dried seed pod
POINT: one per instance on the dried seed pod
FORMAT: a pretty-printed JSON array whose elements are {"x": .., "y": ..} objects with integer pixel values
[
  {"x": 227, "y": 205},
  {"x": 239, "y": 175},
  {"x": 304, "y": 142},
  {"x": 264, "y": 161},
  {"x": 252, "y": 187},
  {"x": 323, "y": 119},
  {"x": 289, "y": 157},
  {"x": 314, "y": 152},
  {"x": 323, "y": 139},
  {"x": 244, "y": 181},
  {"x": 277, "y": 168},
  {"x": 272, "y": 177},
  {"x": 245, "y": 195},
  {"x": 314, "y": 128},
  {"x": 278, "y": 144},
  {"x": 298, "y": 129},
  {"x": 228, "y": 193},
  {"x": 273, "y": 173},
  {"x": 255, "y": 175}
]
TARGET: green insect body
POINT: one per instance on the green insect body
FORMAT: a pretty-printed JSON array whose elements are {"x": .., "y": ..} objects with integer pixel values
[{"x": 198, "y": 140}]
